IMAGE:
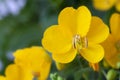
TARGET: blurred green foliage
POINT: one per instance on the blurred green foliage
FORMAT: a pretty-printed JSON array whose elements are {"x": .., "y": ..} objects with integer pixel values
[{"x": 26, "y": 29}]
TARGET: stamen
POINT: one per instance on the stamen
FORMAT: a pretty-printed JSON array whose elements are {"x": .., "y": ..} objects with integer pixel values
[
  {"x": 75, "y": 40},
  {"x": 80, "y": 42},
  {"x": 85, "y": 42}
]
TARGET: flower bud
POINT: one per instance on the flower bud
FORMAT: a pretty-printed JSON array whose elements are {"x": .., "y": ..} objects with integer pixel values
[{"x": 111, "y": 75}]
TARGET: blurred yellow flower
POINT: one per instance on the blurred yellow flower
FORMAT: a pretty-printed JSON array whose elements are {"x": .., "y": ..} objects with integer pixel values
[
  {"x": 36, "y": 59},
  {"x": 118, "y": 5},
  {"x": 112, "y": 44},
  {"x": 106, "y": 4},
  {"x": 76, "y": 32},
  {"x": 2, "y": 77},
  {"x": 15, "y": 72}
]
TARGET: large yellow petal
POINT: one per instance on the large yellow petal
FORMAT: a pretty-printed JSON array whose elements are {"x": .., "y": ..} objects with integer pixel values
[
  {"x": 67, "y": 18},
  {"x": 98, "y": 31},
  {"x": 57, "y": 39},
  {"x": 66, "y": 57},
  {"x": 118, "y": 5},
  {"x": 103, "y": 4},
  {"x": 83, "y": 20},
  {"x": 93, "y": 54},
  {"x": 15, "y": 72},
  {"x": 111, "y": 54},
  {"x": 77, "y": 21},
  {"x": 2, "y": 78},
  {"x": 115, "y": 25}
]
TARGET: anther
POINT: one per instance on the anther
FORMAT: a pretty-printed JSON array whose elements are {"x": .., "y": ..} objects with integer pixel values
[{"x": 80, "y": 42}]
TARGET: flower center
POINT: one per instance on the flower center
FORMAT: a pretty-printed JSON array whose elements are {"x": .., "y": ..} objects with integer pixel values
[
  {"x": 80, "y": 42},
  {"x": 117, "y": 45}
]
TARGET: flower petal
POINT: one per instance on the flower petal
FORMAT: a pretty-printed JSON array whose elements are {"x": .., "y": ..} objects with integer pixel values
[
  {"x": 38, "y": 58},
  {"x": 77, "y": 21},
  {"x": 15, "y": 72},
  {"x": 118, "y": 5},
  {"x": 2, "y": 78},
  {"x": 98, "y": 31},
  {"x": 111, "y": 54},
  {"x": 22, "y": 57},
  {"x": 115, "y": 25},
  {"x": 103, "y": 4},
  {"x": 115, "y": 63},
  {"x": 44, "y": 72},
  {"x": 67, "y": 18},
  {"x": 83, "y": 20},
  {"x": 93, "y": 54},
  {"x": 57, "y": 39},
  {"x": 66, "y": 57}
]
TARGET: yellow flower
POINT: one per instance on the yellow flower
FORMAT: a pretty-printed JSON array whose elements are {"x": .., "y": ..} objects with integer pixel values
[
  {"x": 15, "y": 72},
  {"x": 2, "y": 77},
  {"x": 112, "y": 44},
  {"x": 106, "y": 4},
  {"x": 117, "y": 5},
  {"x": 36, "y": 59},
  {"x": 76, "y": 32}
]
